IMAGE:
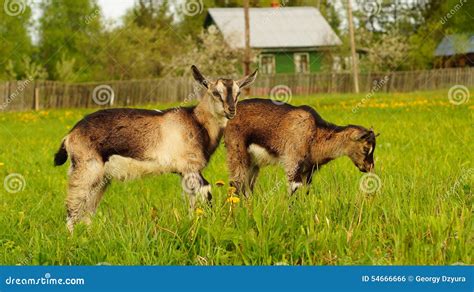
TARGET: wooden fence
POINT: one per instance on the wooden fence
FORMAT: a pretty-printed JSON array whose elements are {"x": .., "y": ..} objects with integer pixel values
[{"x": 24, "y": 95}]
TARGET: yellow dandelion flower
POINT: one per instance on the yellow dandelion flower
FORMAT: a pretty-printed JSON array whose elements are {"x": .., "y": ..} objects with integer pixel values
[
  {"x": 233, "y": 200},
  {"x": 231, "y": 191},
  {"x": 220, "y": 183},
  {"x": 199, "y": 211},
  {"x": 2, "y": 164}
]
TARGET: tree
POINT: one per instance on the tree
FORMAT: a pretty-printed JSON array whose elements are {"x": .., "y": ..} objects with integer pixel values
[
  {"x": 65, "y": 69},
  {"x": 15, "y": 20},
  {"x": 70, "y": 28},
  {"x": 440, "y": 18},
  {"x": 208, "y": 54},
  {"x": 153, "y": 14}
]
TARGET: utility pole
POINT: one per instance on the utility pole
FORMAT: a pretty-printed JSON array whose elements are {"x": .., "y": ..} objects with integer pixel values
[
  {"x": 247, "y": 42},
  {"x": 355, "y": 64}
]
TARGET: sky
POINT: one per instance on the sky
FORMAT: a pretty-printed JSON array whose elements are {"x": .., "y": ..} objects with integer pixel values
[{"x": 114, "y": 9}]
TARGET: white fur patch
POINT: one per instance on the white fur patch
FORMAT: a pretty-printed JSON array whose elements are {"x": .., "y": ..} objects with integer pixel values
[
  {"x": 295, "y": 185},
  {"x": 202, "y": 193},
  {"x": 125, "y": 168},
  {"x": 261, "y": 156}
]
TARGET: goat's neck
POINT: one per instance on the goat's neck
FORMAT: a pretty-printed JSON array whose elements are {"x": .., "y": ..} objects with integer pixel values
[
  {"x": 213, "y": 124},
  {"x": 328, "y": 144}
]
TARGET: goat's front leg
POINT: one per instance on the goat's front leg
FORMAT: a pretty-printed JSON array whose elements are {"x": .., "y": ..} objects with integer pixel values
[
  {"x": 308, "y": 177},
  {"x": 238, "y": 161},
  {"x": 197, "y": 188},
  {"x": 295, "y": 175}
]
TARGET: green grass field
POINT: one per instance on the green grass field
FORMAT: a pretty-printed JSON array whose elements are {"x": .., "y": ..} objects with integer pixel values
[{"x": 422, "y": 214}]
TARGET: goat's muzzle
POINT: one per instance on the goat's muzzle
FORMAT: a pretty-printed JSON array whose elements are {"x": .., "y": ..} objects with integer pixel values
[
  {"x": 230, "y": 114},
  {"x": 366, "y": 167}
]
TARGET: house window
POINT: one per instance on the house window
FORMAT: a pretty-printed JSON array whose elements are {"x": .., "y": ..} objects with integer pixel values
[
  {"x": 302, "y": 63},
  {"x": 267, "y": 64}
]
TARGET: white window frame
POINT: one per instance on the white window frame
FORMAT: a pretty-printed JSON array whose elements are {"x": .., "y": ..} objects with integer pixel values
[
  {"x": 297, "y": 67},
  {"x": 273, "y": 63}
]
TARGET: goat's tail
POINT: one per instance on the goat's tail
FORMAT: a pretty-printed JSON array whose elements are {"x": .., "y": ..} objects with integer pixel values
[{"x": 61, "y": 156}]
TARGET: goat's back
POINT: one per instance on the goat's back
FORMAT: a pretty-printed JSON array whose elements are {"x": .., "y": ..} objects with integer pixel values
[
  {"x": 266, "y": 123},
  {"x": 127, "y": 132}
]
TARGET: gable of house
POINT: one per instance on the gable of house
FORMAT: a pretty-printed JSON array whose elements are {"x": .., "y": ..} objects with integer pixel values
[{"x": 290, "y": 39}]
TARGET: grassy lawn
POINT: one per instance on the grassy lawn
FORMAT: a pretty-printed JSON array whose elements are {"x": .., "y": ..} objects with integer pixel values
[{"x": 422, "y": 213}]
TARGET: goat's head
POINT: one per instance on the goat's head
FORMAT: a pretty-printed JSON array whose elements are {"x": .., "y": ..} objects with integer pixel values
[
  {"x": 361, "y": 148},
  {"x": 223, "y": 93}
]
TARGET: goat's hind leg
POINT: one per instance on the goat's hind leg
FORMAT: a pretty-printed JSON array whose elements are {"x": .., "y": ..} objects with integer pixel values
[
  {"x": 252, "y": 177},
  {"x": 86, "y": 186}
]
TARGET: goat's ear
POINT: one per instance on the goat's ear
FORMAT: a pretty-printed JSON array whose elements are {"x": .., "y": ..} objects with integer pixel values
[
  {"x": 247, "y": 80},
  {"x": 375, "y": 134},
  {"x": 199, "y": 77},
  {"x": 361, "y": 135}
]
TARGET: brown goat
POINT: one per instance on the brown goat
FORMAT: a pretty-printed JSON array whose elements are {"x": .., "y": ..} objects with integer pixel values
[
  {"x": 297, "y": 137},
  {"x": 128, "y": 143}
]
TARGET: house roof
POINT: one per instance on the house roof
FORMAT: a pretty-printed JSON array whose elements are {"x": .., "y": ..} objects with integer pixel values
[
  {"x": 455, "y": 44},
  {"x": 286, "y": 27}
]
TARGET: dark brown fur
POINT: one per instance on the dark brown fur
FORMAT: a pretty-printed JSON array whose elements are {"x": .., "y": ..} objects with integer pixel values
[
  {"x": 296, "y": 137},
  {"x": 127, "y": 143}
]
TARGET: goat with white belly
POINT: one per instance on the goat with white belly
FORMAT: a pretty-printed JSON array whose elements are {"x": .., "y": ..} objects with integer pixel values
[
  {"x": 128, "y": 143},
  {"x": 296, "y": 137}
]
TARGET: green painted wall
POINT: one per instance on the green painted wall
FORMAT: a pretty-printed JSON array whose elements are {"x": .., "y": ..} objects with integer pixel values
[
  {"x": 285, "y": 63},
  {"x": 315, "y": 61}
]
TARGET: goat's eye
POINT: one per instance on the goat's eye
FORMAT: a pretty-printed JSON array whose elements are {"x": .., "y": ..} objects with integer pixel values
[{"x": 216, "y": 94}]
